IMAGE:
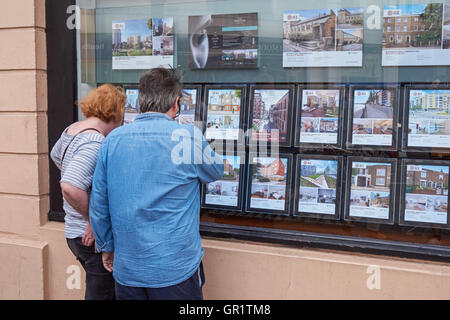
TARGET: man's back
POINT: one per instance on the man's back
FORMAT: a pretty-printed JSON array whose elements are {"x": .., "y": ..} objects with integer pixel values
[{"x": 147, "y": 178}]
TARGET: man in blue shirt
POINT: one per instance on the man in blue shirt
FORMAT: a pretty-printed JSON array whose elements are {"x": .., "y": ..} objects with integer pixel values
[{"x": 145, "y": 201}]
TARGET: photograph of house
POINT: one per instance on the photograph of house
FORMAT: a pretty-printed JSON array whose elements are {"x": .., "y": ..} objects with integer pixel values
[
  {"x": 270, "y": 114},
  {"x": 432, "y": 180},
  {"x": 350, "y": 18},
  {"x": 318, "y": 179},
  {"x": 413, "y": 26},
  {"x": 223, "y": 118},
  {"x": 371, "y": 176},
  {"x": 269, "y": 179},
  {"x": 349, "y": 39},
  {"x": 309, "y": 30}
]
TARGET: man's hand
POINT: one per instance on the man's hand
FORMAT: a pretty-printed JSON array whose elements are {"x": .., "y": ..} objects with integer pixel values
[
  {"x": 88, "y": 236},
  {"x": 108, "y": 260}
]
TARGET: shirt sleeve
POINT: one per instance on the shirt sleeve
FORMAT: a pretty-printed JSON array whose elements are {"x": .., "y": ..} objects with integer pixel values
[
  {"x": 99, "y": 215},
  {"x": 55, "y": 154},
  {"x": 80, "y": 170},
  {"x": 209, "y": 164}
]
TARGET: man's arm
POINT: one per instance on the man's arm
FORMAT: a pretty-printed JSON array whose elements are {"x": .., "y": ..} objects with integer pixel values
[
  {"x": 209, "y": 164},
  {"x": 99, "y": 205}
]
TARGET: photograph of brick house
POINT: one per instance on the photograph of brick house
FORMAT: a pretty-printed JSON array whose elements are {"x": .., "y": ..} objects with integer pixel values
[
  {"x": 432, "y": 180},
  {"x": 269, "y": 176},
  {"x": 370, "y": 176},
  {"x": 350, "y": 18},
  {"x": 312, "y": 30},
  {"x": 187, "y": 106},
  {"x": 349, "y": 39},
  {"x": 415, "y": 25}
]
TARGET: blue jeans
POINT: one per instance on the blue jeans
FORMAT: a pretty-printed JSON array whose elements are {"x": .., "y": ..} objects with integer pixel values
[
  {"x": 99, "y": 281},
  {"x": 190, "y": 289}
]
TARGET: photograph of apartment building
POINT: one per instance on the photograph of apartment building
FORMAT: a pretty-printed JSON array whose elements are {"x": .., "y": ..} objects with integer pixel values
[
  {"x": 268, "y": 185},
  {"x": 309, "y": 30},
  {"x": 429, "y": 115},
  {"x": 270, "y": 115},
  {"x": 413, "y": 26}
]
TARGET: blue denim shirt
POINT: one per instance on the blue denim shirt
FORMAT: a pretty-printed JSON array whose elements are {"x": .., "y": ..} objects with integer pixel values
[{"x": 145, "y": 201}]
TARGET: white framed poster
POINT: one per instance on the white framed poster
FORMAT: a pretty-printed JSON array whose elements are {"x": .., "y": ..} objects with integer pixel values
[
  {"x": 142, "y": 44},
  {"x": 416, "y": 35},
  {"x": 323, "y": 38}
]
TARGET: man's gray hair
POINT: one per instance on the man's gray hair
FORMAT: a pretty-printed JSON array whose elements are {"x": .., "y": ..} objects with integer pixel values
[{"x": 158, "y": 90}]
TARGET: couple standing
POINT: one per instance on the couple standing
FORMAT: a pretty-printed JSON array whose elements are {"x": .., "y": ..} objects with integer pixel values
[{"x": 128, "y": 199}]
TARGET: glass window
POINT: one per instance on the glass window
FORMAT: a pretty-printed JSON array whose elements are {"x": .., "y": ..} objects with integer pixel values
[{"x": 295, "y": 70}]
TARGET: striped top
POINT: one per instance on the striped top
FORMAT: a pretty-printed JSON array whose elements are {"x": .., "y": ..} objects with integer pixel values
[{"x": 77, "y": 170}]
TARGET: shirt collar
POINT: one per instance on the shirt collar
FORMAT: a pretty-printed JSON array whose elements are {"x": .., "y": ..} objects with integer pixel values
[{"x": 152, "y": 116}]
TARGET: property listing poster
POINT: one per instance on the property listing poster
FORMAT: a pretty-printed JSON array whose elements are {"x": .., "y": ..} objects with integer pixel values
[
  {"x": 373, "y": 112},
  {"x": 323, "y": 38},
  {"x": 223, "y": 41},
  {"x": 131, "y": 106},
  {"x": 188, "y": 105},
  {"x": 270, "y": 115},
  {"x": 426, "y": 196},
  {"x": 416, "y": 35},
  {"x": 319, "y": 116},
  {"x": 370, "y": 190},
  {"x": 142, "y": 44},
  {"x": 225, "y": 192},
  {"x": 223, "y": 118},
  {"x": 429, "y": 119},
  {"x": 268, "y": 185},
  {"x": 317, "y": 192}
]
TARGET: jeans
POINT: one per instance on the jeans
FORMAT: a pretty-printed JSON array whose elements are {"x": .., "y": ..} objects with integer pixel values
[
  {"x": 99, "y": 281},
  {"x": 190, "y": 289}
]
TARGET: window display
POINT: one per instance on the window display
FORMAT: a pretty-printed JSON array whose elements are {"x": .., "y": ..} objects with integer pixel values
[
  {"x": 318, "y": 181},
  {"x": 319, "y": 116},
  {"x": 427, "y": 118},
  {"x": 224, "y": 108},
  {"x": 223, "y": 41},
  {"x": 142, "y": 44},
  {"x": 373, "y": 114},
  {"x": 269, "y": 184},
  {"x": 370, "y": 189},
  {"x": 270, "y": 114},
  {"x": 425, "y": 193},
  {"x": 416, "y": 35},
  {"x": 323, "y": 38},
  {"x": 226, "y": 192},
  {"x": 132, "y": 104},
  {"x": 189, "y": 104}
]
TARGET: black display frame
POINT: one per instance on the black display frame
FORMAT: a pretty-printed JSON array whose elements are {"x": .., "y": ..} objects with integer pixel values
[
  {"x": 287, "y": 205},
  {"x": 198, "y": 102},
  {"x": 405, "y": 121},
  {"x": 242, "y": 112},
  {"x": 292, "y": 98},
  {"x": 392, "y": 189},
  {"x": 402, "y": 198},
  {"x": 339, "y": 186},
  {"x": 395, "y": 116},
  {"x": 341, "y": 117},
  {"x": 241, "y": 185}
]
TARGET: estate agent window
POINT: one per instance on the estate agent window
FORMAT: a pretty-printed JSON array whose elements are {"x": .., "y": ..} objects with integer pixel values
[{"x": 336, "y": 119}]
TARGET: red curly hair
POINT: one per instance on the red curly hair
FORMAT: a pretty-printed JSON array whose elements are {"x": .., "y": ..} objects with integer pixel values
[{"x": 107, "y": 103}]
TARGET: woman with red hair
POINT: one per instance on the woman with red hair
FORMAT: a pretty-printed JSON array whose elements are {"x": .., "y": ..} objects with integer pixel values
[{"x": 75, "y": 154}]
